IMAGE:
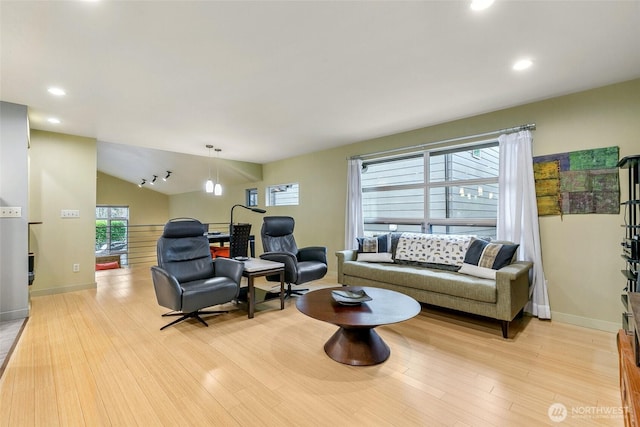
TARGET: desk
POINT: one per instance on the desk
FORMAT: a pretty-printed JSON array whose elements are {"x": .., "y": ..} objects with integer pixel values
[
  {"x": 224, "y": 237},
  {"x": 256, "y": 267}
]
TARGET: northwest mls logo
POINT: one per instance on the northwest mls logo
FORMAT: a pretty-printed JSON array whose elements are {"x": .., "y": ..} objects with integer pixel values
[{"x": 557, "y": 412}]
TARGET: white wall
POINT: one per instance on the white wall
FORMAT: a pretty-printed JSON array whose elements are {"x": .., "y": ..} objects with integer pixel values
[{"x": 14, "y": 251}]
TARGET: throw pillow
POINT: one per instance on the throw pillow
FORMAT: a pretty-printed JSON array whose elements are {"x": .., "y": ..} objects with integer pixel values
[
  {"x": 447, "y": 249},
  {"x": 374, "y": 249},
  {"x": 107, "y": 265},
  {"x": 483, "y": 259}
]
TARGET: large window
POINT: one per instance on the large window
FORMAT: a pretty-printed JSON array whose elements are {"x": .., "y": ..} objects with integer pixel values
[
  {"x": 112, "y": 224},
  {"x": 452, "y": 191}
]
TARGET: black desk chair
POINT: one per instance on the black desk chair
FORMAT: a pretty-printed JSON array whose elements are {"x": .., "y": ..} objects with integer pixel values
[
  {"x": 186, "y": 279},
  {"x": 239, "y": 240},
  {"x": 301, "y": 265}
]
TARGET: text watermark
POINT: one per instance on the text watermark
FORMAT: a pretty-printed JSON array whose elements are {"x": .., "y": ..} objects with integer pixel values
[{"x": 558, "y": 412}]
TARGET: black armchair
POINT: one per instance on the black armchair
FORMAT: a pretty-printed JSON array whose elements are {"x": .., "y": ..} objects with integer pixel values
[
  {"x": 186, "y": 279},
  {"x": 301, "y": 265}
]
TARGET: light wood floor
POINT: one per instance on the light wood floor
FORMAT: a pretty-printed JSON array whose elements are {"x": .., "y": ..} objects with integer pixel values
[{"x": 97, "y": 357}]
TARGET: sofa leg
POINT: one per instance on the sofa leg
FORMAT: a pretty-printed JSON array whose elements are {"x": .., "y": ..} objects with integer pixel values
[{"x": 505, "y": 328}]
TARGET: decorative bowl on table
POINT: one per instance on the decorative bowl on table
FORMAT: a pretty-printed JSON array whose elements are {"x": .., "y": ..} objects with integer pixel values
[{"x": 350, "y": 297}]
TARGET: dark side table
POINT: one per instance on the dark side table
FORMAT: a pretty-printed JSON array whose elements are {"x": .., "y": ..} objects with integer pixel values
[{"x": 256, "y": 267}]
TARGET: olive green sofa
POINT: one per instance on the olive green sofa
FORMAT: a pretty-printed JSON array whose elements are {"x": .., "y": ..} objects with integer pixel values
[{"x": 502, "y": 299}]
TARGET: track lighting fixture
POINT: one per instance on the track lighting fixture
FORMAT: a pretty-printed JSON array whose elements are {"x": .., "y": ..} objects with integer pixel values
[{"x": 153, "y": 180}]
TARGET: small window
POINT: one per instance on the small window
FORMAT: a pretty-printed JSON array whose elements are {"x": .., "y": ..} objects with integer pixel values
[
  {"x": 282, "y": 195},
  {"x": 252, "y": 196}
]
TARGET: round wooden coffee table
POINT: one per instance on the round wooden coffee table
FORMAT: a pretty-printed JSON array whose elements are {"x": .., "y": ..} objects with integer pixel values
[{"x": 356, "y": 342}]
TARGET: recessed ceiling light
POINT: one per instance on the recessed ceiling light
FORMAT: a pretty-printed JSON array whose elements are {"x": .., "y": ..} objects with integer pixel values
[
  {"x": 53, "y": 120},
  {"x": 56, "y": 91},
  {"x": 522, "y": 64},
  {"x": 481, "y": 4}
]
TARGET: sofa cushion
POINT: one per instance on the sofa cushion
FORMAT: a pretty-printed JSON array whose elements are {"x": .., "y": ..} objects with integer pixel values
[
  {"x": 484, "y": 258},
  {"x": 375, "y": 249},
  {"x": 375, "y": 257},
  {"x": 433, "y": 280}
]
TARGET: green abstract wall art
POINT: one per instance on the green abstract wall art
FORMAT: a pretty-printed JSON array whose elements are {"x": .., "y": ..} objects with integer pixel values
[{"x": 579, "y": 182}]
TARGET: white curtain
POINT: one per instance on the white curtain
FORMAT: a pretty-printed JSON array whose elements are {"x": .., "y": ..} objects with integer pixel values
[
  {"x": 354, "y": 226},
  {"x": 518, "y": 213}
]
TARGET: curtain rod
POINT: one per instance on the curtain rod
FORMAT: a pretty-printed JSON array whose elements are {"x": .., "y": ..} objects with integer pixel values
[{"x": 530, "y": 126}]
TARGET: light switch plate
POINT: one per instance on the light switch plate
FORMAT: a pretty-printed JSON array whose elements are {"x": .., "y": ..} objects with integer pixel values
[
  {"x": 69, "y": 213},
  {"x": 10, "y": 212}
]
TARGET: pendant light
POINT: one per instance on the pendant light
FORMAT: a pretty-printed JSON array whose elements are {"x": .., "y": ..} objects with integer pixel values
[
  {"x": 208, "y": 186},
  {"x": 217, "y": 191}
]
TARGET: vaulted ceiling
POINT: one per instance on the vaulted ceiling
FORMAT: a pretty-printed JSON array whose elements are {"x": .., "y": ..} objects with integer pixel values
[{"x": 266, "y": 80}]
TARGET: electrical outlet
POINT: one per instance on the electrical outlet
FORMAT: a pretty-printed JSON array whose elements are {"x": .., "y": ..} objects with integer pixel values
[
  {"x": 10, "y": 212},
  {"x": 76, "y": 268},
  {"x": 69, "y": 213}
]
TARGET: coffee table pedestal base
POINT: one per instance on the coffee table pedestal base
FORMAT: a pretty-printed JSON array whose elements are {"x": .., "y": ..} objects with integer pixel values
[{"x": 357, "y": 347}]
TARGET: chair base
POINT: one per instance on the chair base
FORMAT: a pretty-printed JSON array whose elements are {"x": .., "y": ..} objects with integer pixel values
[
  {"x": 289, "y": 291},
  {"x": 185, "y": 316},
  {"x": 294, "y": 292}
]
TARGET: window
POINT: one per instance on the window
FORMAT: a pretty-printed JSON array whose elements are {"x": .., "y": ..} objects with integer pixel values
[
  {"x": 438, "y": 191},
  {"x": 282, "y": 195},
  {"x": 112, "y": 224},
  {"x": 251, "y": 196}
]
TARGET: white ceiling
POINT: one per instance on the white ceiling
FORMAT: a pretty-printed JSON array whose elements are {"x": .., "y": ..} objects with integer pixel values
[{"x": 267, "y": 80}]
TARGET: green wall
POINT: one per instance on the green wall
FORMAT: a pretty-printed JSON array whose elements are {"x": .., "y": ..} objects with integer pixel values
[
  {"x": 145, "y": 206},
  {"x": 62, "y": 175},
  {"x": 581, "y": 253}
]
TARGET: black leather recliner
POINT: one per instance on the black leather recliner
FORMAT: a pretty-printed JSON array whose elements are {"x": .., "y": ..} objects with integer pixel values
[
  {"x": 186, "y": 279},
  {"x": 301, "y": 265}
]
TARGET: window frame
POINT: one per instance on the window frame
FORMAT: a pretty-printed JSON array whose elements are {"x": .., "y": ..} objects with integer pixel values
[
  {"x": 108, "y": 220},
  {"x": 251, "y": 195},
  {"x": 427, "y": 222},
  {"x": 272, "y": 201}
]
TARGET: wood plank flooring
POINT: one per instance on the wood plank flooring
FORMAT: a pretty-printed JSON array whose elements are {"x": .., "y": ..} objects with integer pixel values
[{"x": 98, "y": 358}]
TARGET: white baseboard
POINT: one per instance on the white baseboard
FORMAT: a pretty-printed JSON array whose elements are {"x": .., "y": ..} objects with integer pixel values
[
  {"x": 7, "y": 316},
  {"x": 62, "y": 290},
  {"x": 586, "y": 322}
]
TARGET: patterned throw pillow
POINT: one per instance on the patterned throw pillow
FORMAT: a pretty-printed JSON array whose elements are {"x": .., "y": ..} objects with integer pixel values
[
  {"x": 375, "y": 249},
  {"x": 483, "y": 259},
  {"x": 430, "y": 249}
]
